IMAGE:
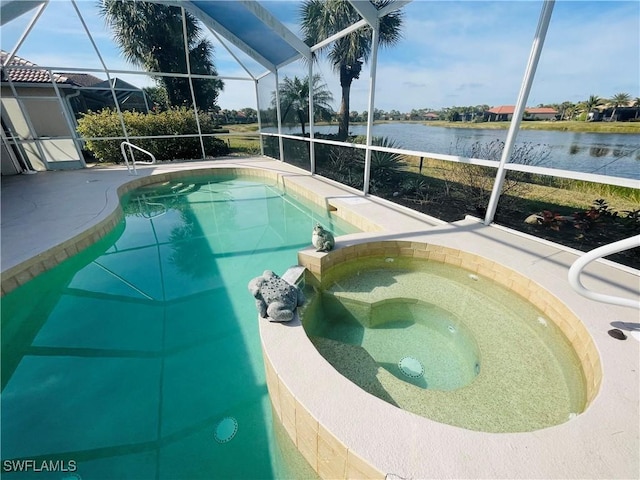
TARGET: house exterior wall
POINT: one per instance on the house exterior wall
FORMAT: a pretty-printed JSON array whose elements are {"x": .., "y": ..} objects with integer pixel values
[
  {"x": 38, "y": 120},
  {"x": 543, "y": 116},
  {"x": 500, "y": 117}
]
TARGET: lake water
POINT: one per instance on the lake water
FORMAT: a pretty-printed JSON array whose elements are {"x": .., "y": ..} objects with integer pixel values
[{"x": 611, "y": 154}]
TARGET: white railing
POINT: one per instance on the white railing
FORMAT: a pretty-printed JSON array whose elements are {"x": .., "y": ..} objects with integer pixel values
[
  {"x": 584, "y": 260},
  {"x": 132, "y": 167}
]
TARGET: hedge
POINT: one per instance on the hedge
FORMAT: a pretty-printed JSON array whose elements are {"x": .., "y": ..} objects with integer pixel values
[{"x": 174, "y": 122}]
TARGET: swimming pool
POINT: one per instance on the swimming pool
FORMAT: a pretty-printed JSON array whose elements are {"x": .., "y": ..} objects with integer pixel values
[{"x": 139, "y": 357}]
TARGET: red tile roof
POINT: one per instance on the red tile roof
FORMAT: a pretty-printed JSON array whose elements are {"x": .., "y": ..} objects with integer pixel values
[
  {"x": 502, "y": 110},
  {"x": 509, "y": 109},
  {"x": 542, "y": 110},
  {"x": 30, "y": 75}
]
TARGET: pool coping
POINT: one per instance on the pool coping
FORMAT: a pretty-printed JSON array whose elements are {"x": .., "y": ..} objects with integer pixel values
[{"x": 602, "y": 442}]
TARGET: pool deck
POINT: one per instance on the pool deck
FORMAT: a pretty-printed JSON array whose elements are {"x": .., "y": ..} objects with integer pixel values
[{"x": 53, "y": 211}]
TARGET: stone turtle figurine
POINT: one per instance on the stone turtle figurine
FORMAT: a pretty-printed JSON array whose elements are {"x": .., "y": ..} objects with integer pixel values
[
  {"x": 276, "y": 299},
  {"x": 322, "y": 239}
]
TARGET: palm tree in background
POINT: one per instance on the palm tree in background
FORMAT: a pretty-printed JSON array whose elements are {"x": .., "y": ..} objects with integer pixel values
[
  {"x": 619, "y": 100},
  {"x": 150, "y": 36},
  {"x": 589, "y": 104},
  {"x": 294, "y": 99},
  {"x": 322, "y": 18},
  {"x": 636, "y": 103},
  {"x": 566, "y": 110}
]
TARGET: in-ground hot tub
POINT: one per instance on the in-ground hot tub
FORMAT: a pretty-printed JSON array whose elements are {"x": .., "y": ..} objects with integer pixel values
[
  {"x": 445, "y": 343},
  {"x": 329, "y": 406}
]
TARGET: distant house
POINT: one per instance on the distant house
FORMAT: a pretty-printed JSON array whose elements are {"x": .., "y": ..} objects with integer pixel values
[
  {"x": 541, "y": 113},
  {"x": 504, "y": 113},
  {"x": 40, "y": 109},
  {"x": 430, "y": 116},
  {"x": 96, "y": 94},
  {"x": 607, "y": 113}
]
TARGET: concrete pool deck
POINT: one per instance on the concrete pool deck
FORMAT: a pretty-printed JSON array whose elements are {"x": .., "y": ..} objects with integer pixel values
[{"x": 49, "y": 216}]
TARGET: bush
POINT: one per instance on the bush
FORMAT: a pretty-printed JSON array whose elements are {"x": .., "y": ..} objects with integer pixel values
[
  {"x": 174, "y": 122},
  {"x": 477, "y": 181},
  {"x": 346, "y": 164}
]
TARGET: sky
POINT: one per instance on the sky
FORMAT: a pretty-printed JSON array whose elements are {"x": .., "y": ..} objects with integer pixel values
[{"x": 452, "y": 53}]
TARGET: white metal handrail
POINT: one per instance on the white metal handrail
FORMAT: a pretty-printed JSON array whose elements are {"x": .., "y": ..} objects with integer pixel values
[
  {"x": 596, "y": 253},
  {"x": 132, "y": 167}
]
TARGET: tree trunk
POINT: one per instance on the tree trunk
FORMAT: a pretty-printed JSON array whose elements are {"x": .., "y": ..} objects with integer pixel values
[
  {"x": 343, "y": 128},
  {"x": 301, "y": 119},
  {"x": 346, "y": 77}
]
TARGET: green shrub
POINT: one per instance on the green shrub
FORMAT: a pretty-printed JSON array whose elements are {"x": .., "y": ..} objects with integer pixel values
[
  {"x": 346, "y": 164},
  {"x": 173, "y": 122}
]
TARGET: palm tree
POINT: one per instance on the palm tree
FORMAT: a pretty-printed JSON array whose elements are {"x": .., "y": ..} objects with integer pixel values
[
  {"x": 322, "y": 18},
  {"x": 294, "y": 99},
  {"x": 589, "y": 104},
  {"x": 566, "y": 110},
  {"x": 636, "y": 103},
  {"x": 150, "y": 36},
  {"x": 619, "y": 100}
]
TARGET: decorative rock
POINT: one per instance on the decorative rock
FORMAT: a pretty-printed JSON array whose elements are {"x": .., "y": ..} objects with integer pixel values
[
  {"x": 617, "y": 334},
  {"x": 276, "y": 299},
  {"x": 535, "y": 219},
  {"x": 322, "y": 239}
]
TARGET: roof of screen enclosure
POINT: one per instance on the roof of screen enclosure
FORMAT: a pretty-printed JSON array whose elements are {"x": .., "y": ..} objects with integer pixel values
[{"x": 244, "y": 23}]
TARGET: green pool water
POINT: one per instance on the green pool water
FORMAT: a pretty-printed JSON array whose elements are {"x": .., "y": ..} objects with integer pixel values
[
  {"x": 446, "y": 344},
  {"x": 140, "y": 358}
]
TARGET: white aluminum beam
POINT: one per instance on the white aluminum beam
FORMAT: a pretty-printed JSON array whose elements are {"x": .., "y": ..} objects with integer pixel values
[
  {"x": 338, "y": 35},
  {"x": 514, "y": 127},
  {"x": 193, "y": 94},
  {"x": 372, "y": 94},
  {"x": 312, "y": 153},
  {"x": 279, "y": 116}
]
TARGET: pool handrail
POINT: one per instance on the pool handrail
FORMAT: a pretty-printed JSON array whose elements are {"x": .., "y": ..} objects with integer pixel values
[
  {"x": 132, "y": 167},
  {"x": 596, "y": 253}
]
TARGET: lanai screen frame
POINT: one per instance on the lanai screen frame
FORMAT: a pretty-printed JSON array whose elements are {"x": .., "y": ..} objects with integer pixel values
[{"x": 224, "y": 32}]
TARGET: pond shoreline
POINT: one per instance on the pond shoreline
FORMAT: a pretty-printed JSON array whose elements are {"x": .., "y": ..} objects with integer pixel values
[{"x": 558, "y": 126}]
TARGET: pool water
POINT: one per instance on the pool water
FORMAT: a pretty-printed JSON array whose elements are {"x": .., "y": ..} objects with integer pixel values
[
  {"x": 441, "y": 342},
  {"x": 140, "y": 357},
  {"x": 417, "y": 342}
]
